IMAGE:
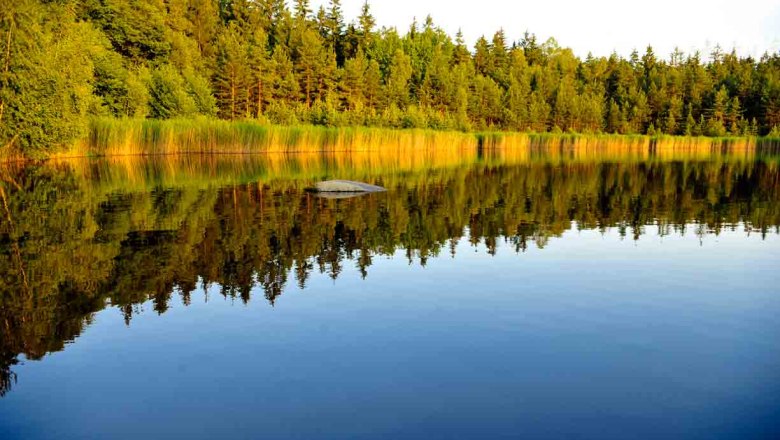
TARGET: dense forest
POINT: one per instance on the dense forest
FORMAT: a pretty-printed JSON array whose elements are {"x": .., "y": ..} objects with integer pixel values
[
  {"x": 65, "y": 61},
  {"x": 70, "y": 244}
]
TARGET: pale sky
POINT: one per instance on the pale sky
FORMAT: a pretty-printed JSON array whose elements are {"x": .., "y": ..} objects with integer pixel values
[{"x": 598, "y": 26}]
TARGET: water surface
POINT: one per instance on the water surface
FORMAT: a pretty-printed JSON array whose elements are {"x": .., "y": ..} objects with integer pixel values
[{"x": 485, "y": 295}]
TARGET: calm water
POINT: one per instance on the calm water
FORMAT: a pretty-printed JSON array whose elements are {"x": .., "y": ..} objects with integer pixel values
[{"x": 482, "y": 296}]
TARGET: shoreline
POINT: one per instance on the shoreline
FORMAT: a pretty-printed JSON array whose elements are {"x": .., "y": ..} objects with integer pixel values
[{"x": 111, "y": 137}]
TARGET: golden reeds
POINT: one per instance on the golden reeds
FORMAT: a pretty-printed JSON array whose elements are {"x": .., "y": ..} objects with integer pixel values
[{"x": 126, "y": 137}]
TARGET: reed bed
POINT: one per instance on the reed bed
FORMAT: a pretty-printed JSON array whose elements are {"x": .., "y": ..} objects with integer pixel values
[
  {"x": 131, "y": 137},
  {"x": 114, "y": 137}
]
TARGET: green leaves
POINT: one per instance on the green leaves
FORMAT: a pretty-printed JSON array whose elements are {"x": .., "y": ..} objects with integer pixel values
[
  {"x": 63, "y": 62},
  {"x": 46, "y": 82}
]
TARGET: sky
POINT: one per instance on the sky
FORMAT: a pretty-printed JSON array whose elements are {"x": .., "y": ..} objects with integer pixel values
[{"x": 597, "y": 26}]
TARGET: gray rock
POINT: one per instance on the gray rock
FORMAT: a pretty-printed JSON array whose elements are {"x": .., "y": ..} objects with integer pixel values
[
  {"x": 345, "y": 186},
  {"x": 339, "y": 195}
]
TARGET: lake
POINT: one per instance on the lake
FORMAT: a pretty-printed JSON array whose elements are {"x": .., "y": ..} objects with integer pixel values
[{"x": 534, "y": 293}]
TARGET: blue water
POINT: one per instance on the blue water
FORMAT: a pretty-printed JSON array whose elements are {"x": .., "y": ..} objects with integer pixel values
[{"x": 593, "y": 336}]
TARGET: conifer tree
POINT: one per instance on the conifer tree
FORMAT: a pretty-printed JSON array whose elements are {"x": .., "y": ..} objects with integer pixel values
[
  {"x": 334, "y": 26},
  {"x": 367, "y": 23},
  {"x": 231, "y": 77}
]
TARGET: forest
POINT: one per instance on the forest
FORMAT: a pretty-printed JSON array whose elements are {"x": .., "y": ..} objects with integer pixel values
[{"x": 64, "y": 63}]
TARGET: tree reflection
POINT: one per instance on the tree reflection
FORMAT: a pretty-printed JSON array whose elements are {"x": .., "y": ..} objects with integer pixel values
[{"x": 68, "y": 248}]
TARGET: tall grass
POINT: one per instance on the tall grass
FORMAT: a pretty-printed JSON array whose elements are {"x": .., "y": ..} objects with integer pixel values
[
  {"x": 114, "y": 137},
  {"x": 126, "y": 137}
]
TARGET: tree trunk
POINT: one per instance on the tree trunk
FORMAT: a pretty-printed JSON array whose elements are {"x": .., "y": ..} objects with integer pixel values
[
  {"x": 233, "y": 96},
  {"x": 308, "y": 89},
  {"x": 7, "y": 64},
  {"x": 259, "y": 98},
  {"x": 248, "y": 101}
]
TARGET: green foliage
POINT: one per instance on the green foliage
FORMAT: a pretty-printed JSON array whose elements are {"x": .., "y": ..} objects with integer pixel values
[
  {"x": 111, "y": 84},
  {"x": 46, "y": 72},
  {"x": 199, "y": 89},
  {"x": 168, "y": 92},
  {"x": 138, "y": 93},
  {"x": 136, "y": 29},
  {"x": 67, "y": 60}
]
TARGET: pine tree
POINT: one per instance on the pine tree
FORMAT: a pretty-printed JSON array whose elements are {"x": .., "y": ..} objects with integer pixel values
[
  {"x": 482, "y": 58},
  {"x": 367, "y": 23},
  {"x": 614, "y": 113},
  {"x": 690, "y": 124},
  {"x": 334, "y": 25},
  {"x": 353, "y": 82},
  {"x": 734, "y": 113},
  {"x": 673, "y": 116},
  {"x": 538, "y": 112},
  {"x": 286, "y": 89},
  {"x": 231, "y": 78},
  {"x": 499, "y": 60},
  {"x": 397, "y": 83},
  {"x": 274, "y": 14},
  {"x": 204, "y": 16},
  {"x": 373, "y": 84},
  {"x": 565, "y": 108},
  {"x": 302, "y": 10},
  {"x": 461, "y": 53},
  {"x": 309, "y": 65},
  {"x": 517, "y": 104},
  {"x": 259, "y": 66}
]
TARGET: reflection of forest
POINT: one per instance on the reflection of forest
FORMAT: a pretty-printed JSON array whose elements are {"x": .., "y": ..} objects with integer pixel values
[{"x": 73, "y": 241}]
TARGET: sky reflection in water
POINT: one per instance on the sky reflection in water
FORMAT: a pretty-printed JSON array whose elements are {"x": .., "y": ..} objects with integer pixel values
[{"x": 593, "y": 299}]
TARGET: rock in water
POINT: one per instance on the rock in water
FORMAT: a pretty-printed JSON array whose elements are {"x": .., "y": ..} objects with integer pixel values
[
  {"x": 346, "y": 186},
  {"x": 339, "y": 195}
]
